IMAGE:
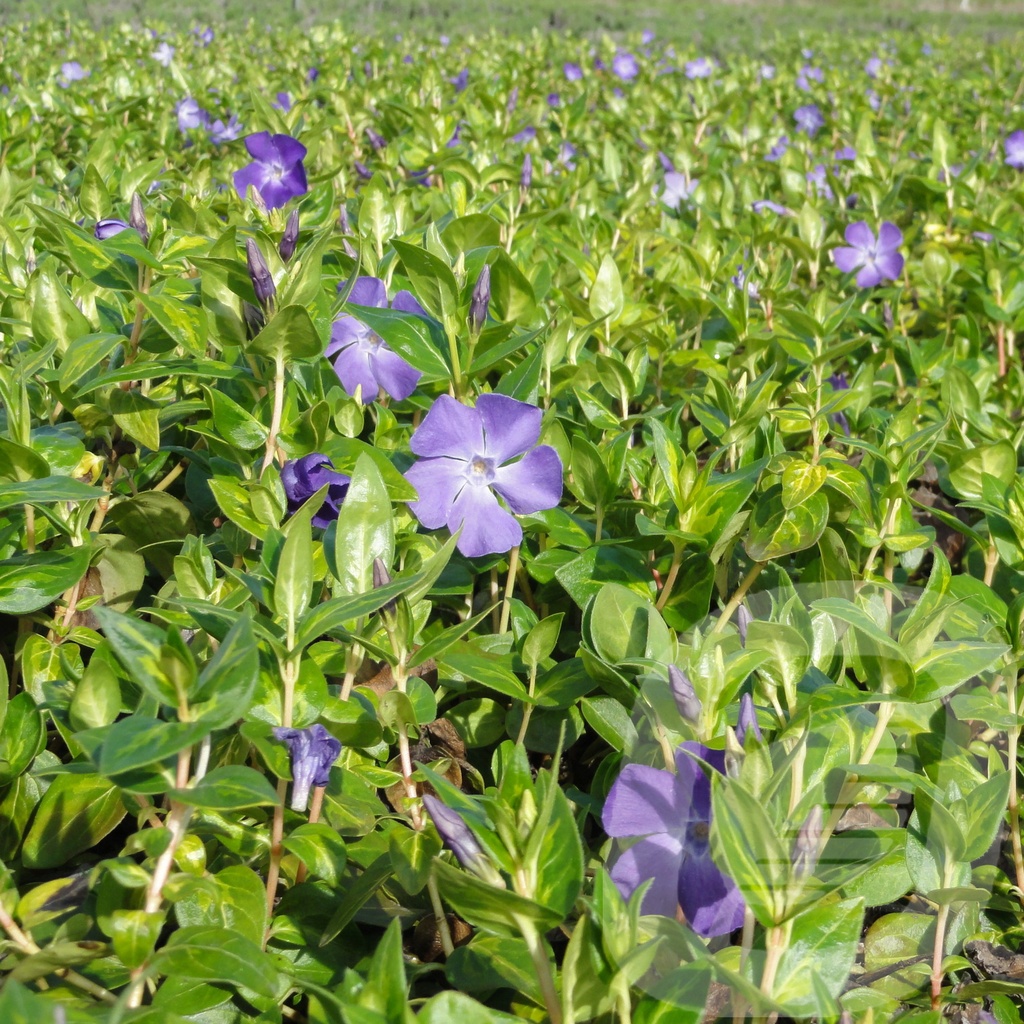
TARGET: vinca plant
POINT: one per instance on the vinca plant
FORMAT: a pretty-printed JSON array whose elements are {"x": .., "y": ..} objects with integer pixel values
[{"x": 509, "y": 529}]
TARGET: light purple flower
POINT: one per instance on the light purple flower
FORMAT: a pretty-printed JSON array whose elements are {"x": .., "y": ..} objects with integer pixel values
[
  {"x": 282, "y": 102},
  {"x": 809, "y": 73},
  {"x": 873, "y": 67},
  {"x": 1014, "y": 146},
  {"x": 164, "y": 54},
  {"x": 809, "y": 119},
  {"x": 108, "y": 228},
  {"x": 982, "y": 236},
  {"x": 302, "y": 478},
  {"x": 778, "y": 151},
  {"x": 683, "y": 693},
  {"x": 679, "y": 188},
  {"x": 741, "y": 280},
  {"x": 573, "y": 72},
  {"x": 454, "y": 832},
  {"x": 277, "y": 171},
  {"x": 526, "y": 174},
  {"x": 554, "y": 100},
  {"x": 874, "y": 100},
  {"x": 313, "y": 751},
  {"x": 875, "y": 260},
  {"x": 466, "y": 460},
  {"x": 221, "y": 132},
  {"x": 567, "y": 155},
  {"x": 72, "y": 71},
  {"x": 819, "y": 178},
  {"x": 699, "y": 68},
  {"x": 647, "y": 37},
  {"x": 846, "y": 153},
  {"x": 526, "y": 135},
  {"x": 625, "y": 66},
  {"x": 361, "y": 357},
  {"x": 204, "y": 36},
  {"x": 190, "y": 115},
  {"x": 760, "y": 205},
  {"x": 672, "y": 814},
  {"x": 767, "y": 72}
]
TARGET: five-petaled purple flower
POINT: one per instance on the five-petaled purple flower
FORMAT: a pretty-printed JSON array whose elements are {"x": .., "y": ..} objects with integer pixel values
[
  {"x": 1014, "y": 146},
  {"x": 679, "y": 188},
  {"x": 361, "y": 357},
  {"x": 276, "y": 171},
  {"x": 573, "y": 72},
  {"x": 313, "y": 751},
  {"x": 302, "y": 478},
  {"x": 672, "y": 814},
  {"x": 164, "y": 54},
  {"x": 624, "y": 66},
  {"x": 875, "y": 260},
  {"x": 72, "y": 71},
  {"x": 466, "y": 457},
  {"x": 221, "y": 132},
  {"x": 699, "y": 68},
  {"x": 190, "y": 114},
  {"x": 809, "y": 119}
]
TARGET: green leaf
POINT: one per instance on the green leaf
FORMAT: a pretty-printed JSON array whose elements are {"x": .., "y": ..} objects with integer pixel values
[
  {"x": 365, "y": 530},
  {"x": 289, "y": 335},
  {"x": 490, "y": 670},
  {"x": 228, "y": 788},
  {"x": 22, "y": 736},
  {"x": 622, "y": 626},
  {"x": 138, "y": 741},
  {"x": 235, "y": 424},
  {"x": 293, "y": 583},
  {"x": 185, "y": 323},
  {"x": 799, "y": 481},
  {"x": 207, "y": 953},
  {"x": 320, "y": 848},
  {"x": 412, "y": 856},
  {"x": 776, "y": 531},
  {"x": 228, "y": 680},
  {"x": 416, "y": 340},
  {"x": 138, "y": 416},
  {"x": 139, "y": 647},
  {"x": 433, "y": 282},
  {"x": 46, "y": 491},
  {"x": 30, "y": 582},
  {"x": 986, "y": 808},
  {"x": 541, "y": 640},
  {"x": 606, "y": 298},
  {"x": 134, "y": 934}
]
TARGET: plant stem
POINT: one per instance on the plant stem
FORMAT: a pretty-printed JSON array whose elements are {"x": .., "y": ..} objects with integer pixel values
[
  {"x": 737, "y": 598},
  {"x": 1012, "y": 738},
  {"x": 542, "y": 965},
  {"x": 775, "y": 942},
  {"x": 275, "y": 416},
  {"x": 940, "y": 942},
  {"x": 670, "y": 580},
  {"x": 527, "y": 711},
  {"x": 506, "y": 604},
  {"x": 440, "y": 917},
  {"x": 276, "y": 852}
]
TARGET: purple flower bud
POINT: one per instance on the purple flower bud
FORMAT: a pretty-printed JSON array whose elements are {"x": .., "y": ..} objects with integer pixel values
[
  {"x": 286, "y": 247},
  {"x": 137, "y": 217},
  {"x": 747, "y": 722},
  {"x": 343, "y": 225},
  {"x": 376, "y": 139},
  {"x": 743, "y": 621},
  {"x": 684, "y": 694},
  {"x": 513, "y": 99},
  {"x": 108, "y": 228},
  {"x": 313, "y": 751},
  {"x": 481, "y": 299},
  {"x": 805, "y": 850},
  {"x": 526, "y": 175},
  {"x": 381, "y": 578},
  {"x": 363, "y": 171},
  {"x": 254, "y": 319},
  {"x": 455, "y": 833},
  {"x": 259, "y": 274}
]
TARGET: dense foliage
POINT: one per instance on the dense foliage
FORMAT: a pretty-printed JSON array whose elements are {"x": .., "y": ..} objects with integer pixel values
[{"x": 509, "y": 531}]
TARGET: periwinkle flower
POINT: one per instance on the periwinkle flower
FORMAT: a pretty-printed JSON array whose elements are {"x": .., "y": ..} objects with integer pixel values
[
  {"x": 526, "y": 135},
  {"x": 778, "y": 151},
  {"x": 282, "y": 102},
  {"x": 466, "y": 460},
  {"x": 684, "y": 695},
  {"x": 665, "y": 161},
  {"x": 982, "y": 236},
  {"x": 109, "y": 227},
  {"x": 572, "y": 71},
  {"x": 454, "y": 832},
  {"x": 679, "y": 188},
  {"x": 362, "y": 359},
  {"x": 302, "y": 478},
  {"x": 874, "y": 100},
  {"x": 567, "y": 156},
  {"x": 873, "y": 67},
  {"x": 741, "y": 280},
  {"x": 190, "y": 115},
  {"x": 647, "y": 37},
  {"x": 72, "y": 71},
  {"x": 625, "y": 66},
  {"x": 164, "y": 54},
  {"x": 362, "y": 170},
  {"x": 526, "y": 174},
  {"x": 290, "y": 237},
  {"x": 808, "y": 73},
  {"x": 747, "y": 721},
  {"x": 554, "y": 100},
  {"x": 461, "y": 80},
  {"x": 819, "y": 178},
  {"x": 846, "y": 153},
  {"x": 672, "y": 815},
  {"x": 699, "y": 68},
  {"x": 875, "y": 260},
  {"x": 313, "y": 751},
  {"x": 767, "y": 72},
  {"x": 204, "y": 36},
  {"x": 760, "y": 205},
  {"x": 276, "y": 172},
  {"x": 312, "y": 75},
  {"x": 1014, "y": 147},
  {"x": 480, "y": 300},
  {"x": 221, "y": 131},
  {"x": 259, "y": 273},
  {"x": 809, "y": 119},
  {"x": 375, "y": 139}
]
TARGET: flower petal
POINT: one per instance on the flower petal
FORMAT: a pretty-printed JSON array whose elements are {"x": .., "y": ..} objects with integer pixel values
[
  {"x": 393, "y": 373},
  {"x": 848, "y": 259},
  {"x": 368, "y": 291},
  {"x": 487, "y": 529},
  {"x": 643, "y": 800},
  {"x": 261, "y": 147},
  {"x": 345, "y": 331},
  {"x": 437, "y": 483},
  {"x": 859, "y": 235},
  {"x": 449, "y": 428},
  {"x": 694, "y": 785},
  {"x": 252, "y": 174},
  {"x": 869, "y": 276},
  {"x": 510, "y": 427},
  {"x": 287, "y": 149},
  {"x": 352, "y": 365},
  {"x": 889, "y": 236},
  {"x": 890, "y": 265},
  {"x": 532, "y": 484},
  {"x": 405, "y": 302},
  {"x": 711, "y": 902},
  {"x": 657, "y": 857}
]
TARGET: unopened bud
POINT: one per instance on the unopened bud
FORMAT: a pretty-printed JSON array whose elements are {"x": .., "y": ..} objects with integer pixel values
[
  {"x": 513, "y": 99},
  {"x": 376, "y": 139},
  {"x": 454, "y": 832},
  {"x": 381, "y": 578},
  {"x": 805, "y": 849},
  {"x": 481, "y": 300},
  {"x": 290, "y": 238},
  {"x": 743, "y": 621},
  {"x": 887, "y": 318},
  {"x": 343, "y": 225},
  {"x": 747, "y": 722},
  {"x": 255, "y": 321},
  {"x": 526, "y": 176},
  {"x": 259, "y": 274},
  {"x": 733, "y": 754},
  {"x": 684, "y": 694},
  {"x": 363, "y": 171},
  {"x": 137, "y": 217}
]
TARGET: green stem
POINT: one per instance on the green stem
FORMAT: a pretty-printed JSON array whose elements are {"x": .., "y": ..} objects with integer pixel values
[
  {"x": 510, "y": 582},
  {"x": 275, "y": 416},
  {"x": 1012, "y": 739},
  {"x": 737, "y": 598},
  {"x": 528, "y": 710},
  {"x": 542, "y": 965},
  {"x": 670, "y": 580}
]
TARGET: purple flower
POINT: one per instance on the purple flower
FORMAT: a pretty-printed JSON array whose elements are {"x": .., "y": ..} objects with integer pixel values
[
  {"x": 313, "y": 751},
  {"x": 1014, "y": 146},
  {"x": 819, "y": 178},
  {"x": 513, "y": 100},
  {"x": 874, "y": 260},
  {"x": 528, "y": 133},
  {"x": 108, "y": 228},
  {"x": 566, "y": 156},
  {"x": 554, "y": 100},
  {"x": 204, "y": 36},
  {"x": 808, "y": 119},
  {"x": 454, "y": 831},
  {"x": 164, "y": 54},
  {"x": 679, "y": 188},
  {"x": 190, "y": 115},
  {"x": 982, "y": 236},
  {"x": 778, "y": 151},
  {"x": 599, "y": 65},
  {"x": 276, "y": 172},
  {"x": 874, "y": 100},
  {"x": 684, "y": 695},
  {"x": 461, "y": 80},
  {"x": 526, "y": 174},
  {"x": 302, "y": 478},
  {"x": 873, "y": 67},
  {"x": 312, "y": 74},
  {"x": 647, "y": 37},
  {"x": 699, "y": 68},
  {"x": 809, "y": 74},
  {"x": 361, "y": 357},
  {"x": 760, "y": 205},
  {"x": 72, "y": 71},
  {"x": 846, "y": 153},
  {"x": 672, "y": 814},
  {"x": 221, "y": 132},
  {"x": 666, "y": 163},
  {"x": 283, "y": 102},
  {"x": 624, "y": 66},
  {"x": 466, "y": 456},
  {"x": 375, "y": 139},
  {"x": 573, "y": 72},
  {"x": 746, "y": 724},
  {"x": 740, "y": 280},
  {"x": 767, "y": 71}
]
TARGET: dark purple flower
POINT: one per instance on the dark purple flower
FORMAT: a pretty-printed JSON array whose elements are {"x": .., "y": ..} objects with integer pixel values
[
  {"x": 283, "y": 102},
  {"x": 809, "y": 119},
  {"x": 699, "y": 68},
  {"x": 554, "y": 100},
  {"x": 108, "y": 228},
  {"x": 778, "y": 150},
  {"x": 875, "y": 260},
  {"x": 679, "y": 188},
  {"x": 624, "y": 66},
  {"x": 599, "y": 65},
  {"x": 461, "y": 80},
  {"x": 190, "y": 115},
  {"x": 259, "y": 273},
  {"x": 302, "y": 478},
  {"x": 277, "y": 172},
  {"x": 376, "y": 139},
  {"x": 1014, "y": 146},
  {"x": 526, "y": 135},
  {"x": 672, "y": 814},
  {"x": 454, "y": 832},
  {"x": 466, "y": 457},
  {"x": 290, "y": 237},
  {"x": 221, "y": 132},
  {"x": 164, "y": 54},
  {"x": 684, "y": 695},
  {"x": 363, "y": 171},
  {"x": 362, "y": 359},
  {"x": 747, "y": 721},
  {"x": 760, "y": 205},
  {"x": 313, "y": 751},
  {"x": 137, "y": 217},
  {"x": 573, "y": 72},
  {"x": 312, "y": 74}
]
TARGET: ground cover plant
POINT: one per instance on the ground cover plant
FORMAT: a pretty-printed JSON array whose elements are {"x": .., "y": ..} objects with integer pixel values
[{"x": 523, "y": 529}]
